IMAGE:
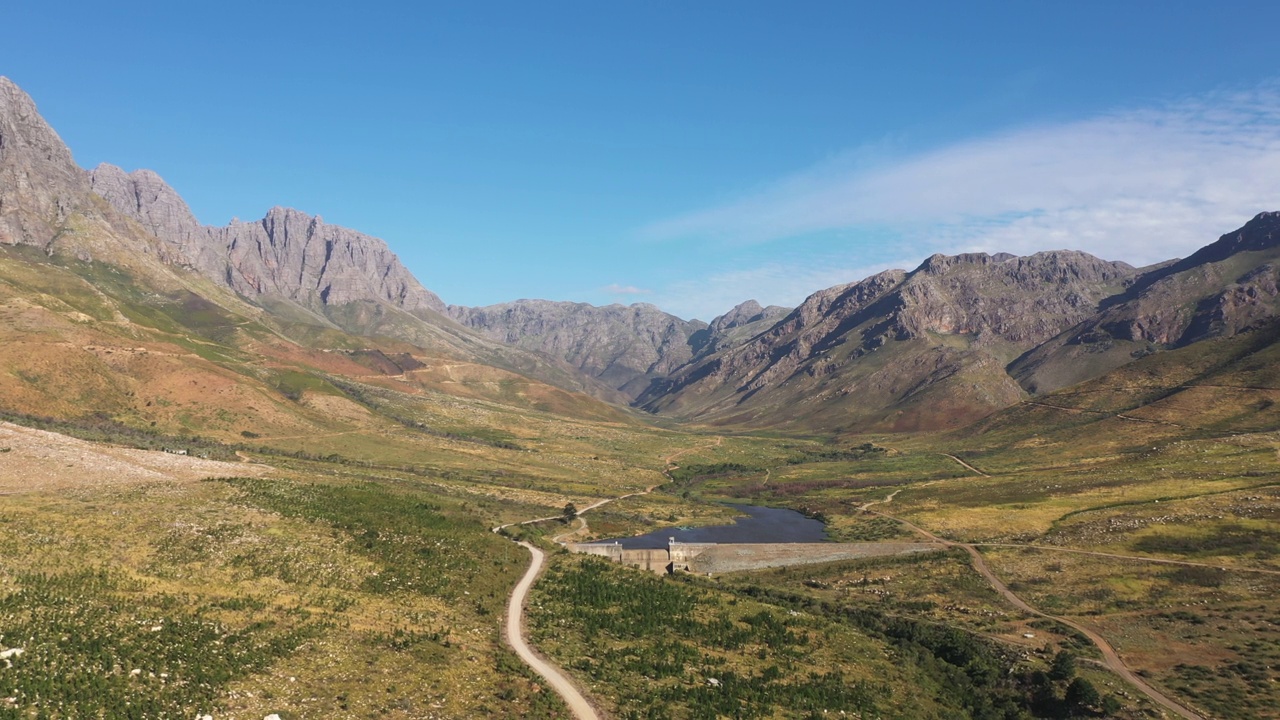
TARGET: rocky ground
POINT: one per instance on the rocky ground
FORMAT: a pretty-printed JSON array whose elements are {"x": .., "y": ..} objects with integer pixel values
[{"x": 38, "y": 460}]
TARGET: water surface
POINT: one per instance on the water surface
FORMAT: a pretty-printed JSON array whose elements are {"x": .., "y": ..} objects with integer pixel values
[{"x": 760, "y": 525}]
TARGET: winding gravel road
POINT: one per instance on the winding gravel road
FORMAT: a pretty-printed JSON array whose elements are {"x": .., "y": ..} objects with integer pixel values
[
  {"x": 577, "y": 702},
  {"x": 573, "y": 697},
  {"x": 1110, "y": 658}
]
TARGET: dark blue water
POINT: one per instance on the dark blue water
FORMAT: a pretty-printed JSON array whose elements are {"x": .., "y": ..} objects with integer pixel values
[{"x": 761, "y": 525}]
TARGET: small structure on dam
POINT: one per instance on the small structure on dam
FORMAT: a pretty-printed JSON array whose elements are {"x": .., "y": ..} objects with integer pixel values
[{"x": 730, "y": 557}]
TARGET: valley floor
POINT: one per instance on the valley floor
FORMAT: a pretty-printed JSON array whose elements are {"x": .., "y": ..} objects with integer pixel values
[{"x": 344, "y": 587}]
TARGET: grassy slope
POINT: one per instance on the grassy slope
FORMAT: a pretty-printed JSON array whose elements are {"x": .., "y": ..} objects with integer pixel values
[
  {"x": 1174, "y": 457},
  {"x": 1161, "y": 459}
]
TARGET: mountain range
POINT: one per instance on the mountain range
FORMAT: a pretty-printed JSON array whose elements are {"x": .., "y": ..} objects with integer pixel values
[{"x": 97, "y": 257}]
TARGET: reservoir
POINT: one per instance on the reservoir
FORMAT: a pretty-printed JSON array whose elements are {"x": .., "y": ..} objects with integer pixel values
[{"x": 760, "y": 525}]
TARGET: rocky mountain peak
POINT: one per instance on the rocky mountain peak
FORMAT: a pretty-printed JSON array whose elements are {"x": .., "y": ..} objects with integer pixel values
[
  {"x": 297, "y": 256},
  {"x": 939, "y": 263},
  {"x": 147, "y": 198},
  {"x": 1259, "y": 234},
  {"x": 743, "y": 313},
  {"x": 40, "y": 184},
  {"x": 288, "y": 254},
  {"x": 1013, "y": 299},
  {"x": 24, "y": 134}
]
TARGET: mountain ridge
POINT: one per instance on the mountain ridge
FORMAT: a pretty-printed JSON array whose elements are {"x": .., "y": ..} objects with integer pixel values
[
  {"x": 286, "y": 254},
  {"x": 954, "y": 320},
  {"x": 1220, "y": 290},
  {"x": 949, "y": 342},
  {"x": 628, "y": 347},
  {"x": 289, "y": 275}
]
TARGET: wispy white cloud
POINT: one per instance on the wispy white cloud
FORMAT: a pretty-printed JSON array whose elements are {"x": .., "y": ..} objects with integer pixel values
[
  {"x": 1140, "y": 185},
  {"x": 616, "y": 289}
]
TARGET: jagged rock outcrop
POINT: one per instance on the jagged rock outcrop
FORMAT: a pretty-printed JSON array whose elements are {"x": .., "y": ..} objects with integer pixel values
[
  {"x": 908, "y": 350},
  {"x": 143, "y": 196},
  {"x": 1221, "y": 290},
  {"x": 41, "y": 187},
  {"x": 747, "y": 313},
  {"x": 288, "y": 254},
  {"x": 309, "y": 277},
  {"x": 739, "y": 325},
  {"x": 47, "y": 201},
  {"x": 294, "y": 255}
]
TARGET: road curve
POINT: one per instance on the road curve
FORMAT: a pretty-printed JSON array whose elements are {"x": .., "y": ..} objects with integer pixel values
[
  {"x": 1110, "y": 657},
  {"x": 578, "y": 705},
  {"x": 577, "y": 702}
]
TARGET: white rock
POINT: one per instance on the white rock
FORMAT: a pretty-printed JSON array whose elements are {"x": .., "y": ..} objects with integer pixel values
[
  {"x": 11, "y": 653},
  {"x": 272, "y": 716}
]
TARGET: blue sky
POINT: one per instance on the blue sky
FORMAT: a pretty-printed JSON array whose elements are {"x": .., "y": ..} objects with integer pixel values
[{"x": 691, "y": 155}]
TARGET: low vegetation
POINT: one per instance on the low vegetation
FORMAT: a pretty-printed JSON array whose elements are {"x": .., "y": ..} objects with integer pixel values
[{"x": 689, "y": 648}]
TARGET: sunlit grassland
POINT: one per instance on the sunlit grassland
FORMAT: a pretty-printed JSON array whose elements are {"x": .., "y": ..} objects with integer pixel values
[
  {"x": 941, "y": 587},
  {"x": 1230, "y": 529},
  {"x": 1143, "y": 489},
  {"x": 650, "y": 648},
  {"x": 523, "y": 449},
  {"x": 1026, "y": 502},
  {"x": 1209, "y": 635},
  {"x": 247, "y": 597},
  {"x": 798, "y": 643}
]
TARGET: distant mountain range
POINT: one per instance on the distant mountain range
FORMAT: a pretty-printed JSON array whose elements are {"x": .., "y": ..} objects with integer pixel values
[
  {"x": 626, "y": 347},
  {"x": 941, "y": 346}
]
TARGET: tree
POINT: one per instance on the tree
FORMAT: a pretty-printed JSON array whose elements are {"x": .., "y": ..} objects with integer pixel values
[
  {"x": 1064, "y": 666},
  {"x": 1082, "y": 695},
  {"x": 570, "y": 513}
]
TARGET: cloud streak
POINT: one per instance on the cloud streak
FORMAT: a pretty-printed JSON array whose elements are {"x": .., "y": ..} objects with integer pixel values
[
  {"x": 1139, "y": 185},
  {"x": 616, "y": 289}
]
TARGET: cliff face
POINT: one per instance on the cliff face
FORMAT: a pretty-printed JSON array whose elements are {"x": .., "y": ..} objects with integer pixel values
[
  {"x": 47, "y": 201},
  {"x": 144, "y": 197},
  {"x": 305, "y": 273},
  {"x": 287, "y": 254},
  {"x": 1223, "y": 289},
  {"x": 294, "y": 255},
  {"x": 41, "y": 187},
  {"x": 904, "y": 350}
]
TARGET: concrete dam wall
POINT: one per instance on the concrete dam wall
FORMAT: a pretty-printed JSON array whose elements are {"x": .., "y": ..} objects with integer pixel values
[{"x": 730, "y": 557}]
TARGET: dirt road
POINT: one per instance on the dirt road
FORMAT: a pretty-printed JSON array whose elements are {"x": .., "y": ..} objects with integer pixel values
[
  {"x": 577, "y": 702},
  {"x": 1110, "y": 657},
  {"x": 1135, "y": 558},
  {"x": 578, "y": 705},
  {"x": 966, "y": 465}
]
